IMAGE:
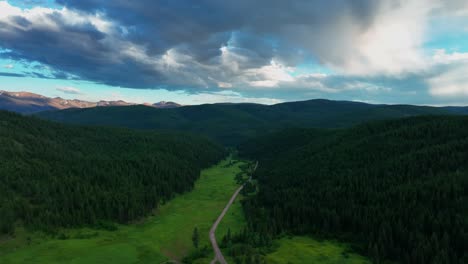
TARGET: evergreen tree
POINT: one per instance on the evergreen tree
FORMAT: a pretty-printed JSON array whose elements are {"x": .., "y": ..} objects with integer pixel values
[
  {"x": 54, "y": 175},
  {"x": 195, "y": 237},
  {"x": 395, "y": 188}
]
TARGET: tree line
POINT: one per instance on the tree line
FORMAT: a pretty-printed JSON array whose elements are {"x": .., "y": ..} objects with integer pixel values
[{"x": 54, "y": 175}]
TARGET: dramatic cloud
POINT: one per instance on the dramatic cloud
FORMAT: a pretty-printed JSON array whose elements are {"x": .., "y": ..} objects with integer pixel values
[
  {"x": 366, "y": 46},
  {"x": 73, "y": 42}
]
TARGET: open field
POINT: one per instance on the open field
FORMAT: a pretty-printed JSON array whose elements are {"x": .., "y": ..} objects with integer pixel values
[
  {"x": 308, "y": 250},
  {"x": 167, "y": 235}
]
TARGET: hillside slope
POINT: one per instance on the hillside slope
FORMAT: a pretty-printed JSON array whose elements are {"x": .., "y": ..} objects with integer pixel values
[
  {"x": 398, "y": 188},
  {"x": 233, "y": 123},
  {"x": 54, "y": 175}
]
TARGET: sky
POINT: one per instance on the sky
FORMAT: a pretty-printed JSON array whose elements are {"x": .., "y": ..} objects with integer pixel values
[{"x": 263, "y": 51}]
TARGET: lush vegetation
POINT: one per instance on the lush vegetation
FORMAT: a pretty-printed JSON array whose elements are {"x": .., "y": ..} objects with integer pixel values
[
  {"x": 160, "y": 237},
  {"x": 308, "y": 250},
  {"x": 243, "y": 245},
  {"x": 393, "y": 190},
  {"x": 53, "y": 175},
  {"x": 231, "y": 124},
  {"x": 396, "y": 189}
]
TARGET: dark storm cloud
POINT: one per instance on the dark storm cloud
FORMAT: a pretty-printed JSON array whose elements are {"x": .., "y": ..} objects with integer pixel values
[
  {"x": 204, "y": 51},
  {"x": 258, "y": 31},
  {"x": 245, "y": 45},
  {"x": 9, "y": 74},
  {"x": 166, "y": 24},
  {"x": 161, "y": 25},
  {"x": 21, "y": 21},
  {"x": 78, "y": 48}
]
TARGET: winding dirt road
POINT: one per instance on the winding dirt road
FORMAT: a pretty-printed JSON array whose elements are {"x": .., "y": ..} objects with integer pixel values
[{"x": 218, "y": 254}]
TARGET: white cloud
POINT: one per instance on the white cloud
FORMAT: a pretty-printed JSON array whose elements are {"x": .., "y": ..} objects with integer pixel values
[
  {"x": 170, "y": 58},
  {"x": 330, "y": 85},
  {"x": 365, "y": 86},
  {"x": 452, "y": 79},
  {"x": 69, "y": 90},
  {"x": 313, "y": 75},
  {"x": 452, "y": 83},
  {"x": 393, "y": 43},
  {"x": 229, "y": 96},
  {"x": 8, "y": 10},
  {"x": 389, "y": 42},
  {"x": 39, "y": 15},
  {"x": 442, "y": 57},
  {"x": 224, "y": 85},
  {"x": 269, "y": 75},
  {"x": 455, "y": 7}
]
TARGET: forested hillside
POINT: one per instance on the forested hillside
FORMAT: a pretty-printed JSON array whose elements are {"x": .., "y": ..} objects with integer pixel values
[
  {"x": 54, "y": 175},
  {"x": 231, "y": 124},
  {"x": 397, "y": 188}
]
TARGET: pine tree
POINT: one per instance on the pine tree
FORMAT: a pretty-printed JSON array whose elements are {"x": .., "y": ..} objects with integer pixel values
[
  {"x": 195, "y": 237},
  {"x": 228, "y": 234}
]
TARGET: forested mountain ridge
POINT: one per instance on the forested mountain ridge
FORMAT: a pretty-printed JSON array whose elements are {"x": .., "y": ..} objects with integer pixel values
[
  {"x": 398, "y": 188},
  {"x": 55, "y": 175},
  {"x": 231, "y": 124}
]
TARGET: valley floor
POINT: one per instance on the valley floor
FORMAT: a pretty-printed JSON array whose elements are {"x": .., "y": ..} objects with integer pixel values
[{"x": 166, "y": 235}]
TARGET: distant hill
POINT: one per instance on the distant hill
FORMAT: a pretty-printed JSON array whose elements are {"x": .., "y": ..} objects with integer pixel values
[
  {"x": 233, "y": 123},
  {"x": 27, "y": 103},
  {"x": 164, "y": 104}
]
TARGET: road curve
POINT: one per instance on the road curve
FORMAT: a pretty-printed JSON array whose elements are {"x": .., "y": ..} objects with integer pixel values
[{"x": 218, "y": 254}]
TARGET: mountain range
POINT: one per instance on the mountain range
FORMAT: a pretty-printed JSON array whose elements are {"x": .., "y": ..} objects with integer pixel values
[
  {"x": 231, "y": 124},
  {"x": 27, "y": 103}
]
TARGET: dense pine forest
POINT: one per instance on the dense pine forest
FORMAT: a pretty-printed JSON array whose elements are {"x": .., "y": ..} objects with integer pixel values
[
  {"x": 53, "y": 175},
  {"x": 396, "y": 189}
]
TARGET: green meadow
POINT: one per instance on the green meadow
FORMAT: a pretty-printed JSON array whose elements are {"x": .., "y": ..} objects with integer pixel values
[
  {"x": 167, "y": 234},
  {"x": 156, "y": 239},
  {"x": 307, "y": 250}
]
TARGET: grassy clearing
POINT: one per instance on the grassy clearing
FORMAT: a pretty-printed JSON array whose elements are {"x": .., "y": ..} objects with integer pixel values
[
  {"x": 308, "y": 250},
  {"x": 167, "y": 235},
  {"x": 234, "y": 220}
]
